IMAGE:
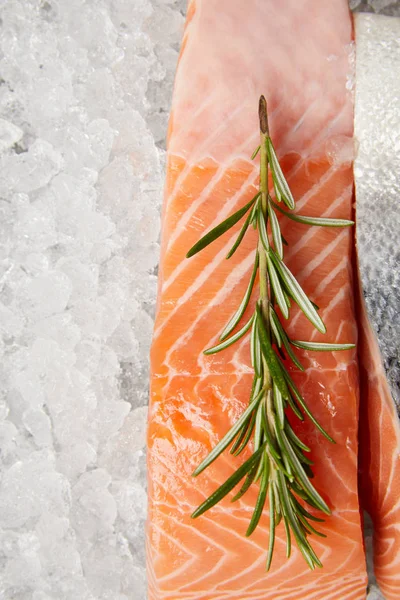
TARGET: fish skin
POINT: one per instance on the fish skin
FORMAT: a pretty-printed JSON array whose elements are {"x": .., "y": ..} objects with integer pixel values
[
  {"x": 377, "y": 168},
  {"x": 195, "y": 399}
]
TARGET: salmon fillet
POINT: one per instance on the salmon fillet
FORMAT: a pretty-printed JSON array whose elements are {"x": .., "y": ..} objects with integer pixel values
[
  {"x": 379, "y": 460},
  {"x": 297, "y": 54}
]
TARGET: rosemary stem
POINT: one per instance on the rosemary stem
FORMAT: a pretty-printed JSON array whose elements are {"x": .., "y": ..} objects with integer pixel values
[
  {"x": 264, "y": 291},
  {"x": 264, "y": 287},
  {"x": 264, "y": 199}
]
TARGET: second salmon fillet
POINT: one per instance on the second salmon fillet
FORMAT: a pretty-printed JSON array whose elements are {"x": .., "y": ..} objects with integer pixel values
[{"x": 299, "y": 56}]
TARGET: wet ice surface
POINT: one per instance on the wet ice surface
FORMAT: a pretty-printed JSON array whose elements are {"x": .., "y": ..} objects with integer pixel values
[{"x": 84, "y": 100}]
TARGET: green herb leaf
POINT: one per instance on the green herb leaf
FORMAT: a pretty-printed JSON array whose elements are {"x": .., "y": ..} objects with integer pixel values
[
  {"x": 297, "y": 293},
  {"x": 256, "y": 151},
  {"x": 243, "y": 305},
  {"x": 244, "y": 436},
  {"x": 318, "y": 221},
  {"x": 270, "y": 356},
  {"x": 258, "y": 431},
  {"x": 275, "y": 329},
  {"x": 276, "y": 231},
  {"x": 285, "y": 340},
  {"x": 220, "y": 229},
  {"x": 228, "y": 438},
  {"x": 309, "y": 527},
  {"x": 276, "y": 286},
  {"x": 302, "y": 477},
  {"x": 228, "y": 342},
  {"x": 229, "y": 484},
  {"x": 243, "y": 441},
  {"x": 293, "y": 405},
  {"x": 288, "y": 510},
  {"x": 305, "y": 512},
  {"x": 303, "y": 405},
  {"x": 255, "y": 349},
  {"x": 288, "y": 537},
  {"x": 279, "y": 405},
  {"x": 271, "y": 529},
  {"x": 262, "y": 496},
  {"x": 282, "y": 191},
  {"x": 247, "y": 482},
  {"x": 287, "y": 298},
  {"x": 292, "y": 436},
  {"x": 322, "y": 347},
  {"x": 241, "y": 234},
  {"x": 262, "y": 229}
]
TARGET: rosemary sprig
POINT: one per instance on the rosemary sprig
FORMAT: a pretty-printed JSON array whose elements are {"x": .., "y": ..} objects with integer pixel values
[{"x": 278, "y": 460}]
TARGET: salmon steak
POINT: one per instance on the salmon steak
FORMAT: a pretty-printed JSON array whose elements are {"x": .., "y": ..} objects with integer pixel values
[{"x": 299, "y": 55}]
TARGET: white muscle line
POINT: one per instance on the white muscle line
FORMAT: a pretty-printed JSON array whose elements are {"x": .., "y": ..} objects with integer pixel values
[
  {"x": 319, "y": 259},
  {"x": 221, "y": 128},
  {"x": 206, "y": 193},
  {"x": 196, "y": 158},
  {"x": 313, "y": 230},
  {"x": 240, "y": 368},
  {"x": 387, "y": 486},
  {"x": 331, "y": 276},
  {"x": 344, "y": 588},
  {"x": 209, "y": 140},
  {"x": 344, "y": 196},
  {"x": 316, "y": 144},
  {"x": 299, "y": 314},
  {"x": 183, "y": 265},
  {"x": 339, "y": 296},
  {"x": 215, "y": 569},
  {"x": 382, "y": 456},
  {"x": 214, "y": 521},
  {"x": 195, "y": 532},
  {"x": 313, "y": 191},
  {"x": 327, "y": 130},
  {"x": 208, "y": 102},
  {"x": 233, "y": 278},
  {"x": 239, "y": 349},
  {"x": 174, "y": 541},
  {"x": 250, "y": 181},
  {"x": 388, "y": 404},
  {"x": 221, "y": 562},
  {"x": 249, "y": 569},
  {"x": 333, "y": 585},
  {"x": 286, "y": 140},
  {"x": 335, "y": 475},
  {"x": 394, "y": 508},
  {"x": 331, "y": 370},
  {"x": 200, "y": 280},
  {"x": 300, "y": 122},
  {"x": 223, "y": 213}
]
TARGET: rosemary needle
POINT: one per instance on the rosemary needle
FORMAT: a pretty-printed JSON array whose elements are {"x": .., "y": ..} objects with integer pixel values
[{"x": 278, "y": 463}]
